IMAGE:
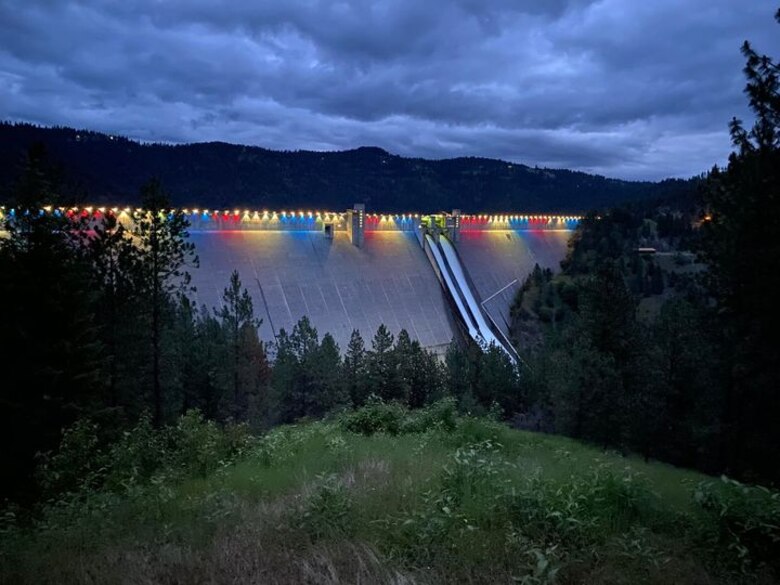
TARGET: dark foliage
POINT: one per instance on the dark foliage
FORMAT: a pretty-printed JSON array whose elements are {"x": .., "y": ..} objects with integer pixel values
[
  {"x": 741, "y": 247},
  {"x": 109, "y": 169},
  {"x": 645, "y": 347}
]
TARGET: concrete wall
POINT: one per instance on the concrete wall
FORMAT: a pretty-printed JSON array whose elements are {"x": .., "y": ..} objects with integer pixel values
[
  {"x": 494, "y": 258},
  {"x": 292, "y": 268},
  {"x": 339, "y": 286}
]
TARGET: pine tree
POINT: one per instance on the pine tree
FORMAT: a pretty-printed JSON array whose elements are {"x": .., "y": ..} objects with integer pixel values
[
  {"x": 327, "y": 393},
  {"x": 161, "y": 237},
  {"x": 608, "y": 324},
  {"x": 459, "y": 373},
  {"x": 497, "y": 381},
  {"x": 419, "y": 374},
  {"x": 51, "y": 358},
  {"x": 381, "y": 372},
  {"x": 245, "y": 352},
  {"x": 284, "y": 379},
  {"x": 297, "y": 372},
  {"x": 353, "y": 370},
  {"x": 209, "y": 355},
  {"x": 404, "y": 358},
  {"x": 115, "y": 271},
  {"x": 741, "y": 248}
]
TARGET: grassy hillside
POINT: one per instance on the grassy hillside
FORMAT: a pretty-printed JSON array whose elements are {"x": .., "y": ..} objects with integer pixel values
[{"x": 387, "y": 496}]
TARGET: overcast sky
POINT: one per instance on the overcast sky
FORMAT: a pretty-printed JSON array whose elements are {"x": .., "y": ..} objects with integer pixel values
[{"x": 625, "y": 88}]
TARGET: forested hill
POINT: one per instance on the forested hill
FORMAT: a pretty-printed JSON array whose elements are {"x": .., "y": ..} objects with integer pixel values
[{"x": 101, "y": 168}]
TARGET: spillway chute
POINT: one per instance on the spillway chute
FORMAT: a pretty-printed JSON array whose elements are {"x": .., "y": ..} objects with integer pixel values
[
  {"x": 449, "y": 283},
  {"x": 454, "y": 279}
]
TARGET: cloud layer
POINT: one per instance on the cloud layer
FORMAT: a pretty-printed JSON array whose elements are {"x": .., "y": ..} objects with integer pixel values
[{"x": 618, "y": 87}]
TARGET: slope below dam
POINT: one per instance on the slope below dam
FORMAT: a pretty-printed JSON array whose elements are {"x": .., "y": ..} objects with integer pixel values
[{"x": 439, "y": 277}]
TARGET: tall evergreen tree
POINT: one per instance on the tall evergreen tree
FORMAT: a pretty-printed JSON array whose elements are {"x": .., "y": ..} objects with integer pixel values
[
  {"x": 459, "y": 372},
  {"x": 328, "y": 391},
  {"x": 404, "y": 359},
  {"x": 496, "y": 381},
  {"x": 419, "y": 373},
  {"x": 161, "y": 236},
  {"x": 284, "y": 379},
  {"x": 297, "y": 384},
  {"x": 741, "y": 248},
  {"x": 381, "y": 371},
  {"x": 245, "y": 352},
  {"x": 51, "y": 355},
  {"x": 353, "y": 370},
  {"x": 608, "y": 323},
  {"x": 115, "y": 271}
]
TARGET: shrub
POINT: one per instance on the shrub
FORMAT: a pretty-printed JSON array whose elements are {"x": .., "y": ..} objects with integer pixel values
[
  {"x": 375, "y": 417},
  {"x": 474, "y": 470},
  {"x": 394, "y": 419},
  {"x": 743, "y": 520},
  {"x": 198, "y": 445},
  {"x": 473, "y": 431},
  {"x": 581, "y": 511},
  {"x": 326, "y": 510},
  {"x": 441, "y": 415},
  {"x": 237, "y": 440},
  {"x": 136, "y": 456},
  {"x": 78, "y": 464},
  {"x": 420, "y": 533}
]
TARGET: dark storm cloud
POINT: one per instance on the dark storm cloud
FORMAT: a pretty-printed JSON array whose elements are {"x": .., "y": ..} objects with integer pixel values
[{"x": 623, "y": 88}]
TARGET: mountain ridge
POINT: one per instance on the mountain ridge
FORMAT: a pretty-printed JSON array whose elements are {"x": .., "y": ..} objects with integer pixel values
[{"x": 107, "y": 168}]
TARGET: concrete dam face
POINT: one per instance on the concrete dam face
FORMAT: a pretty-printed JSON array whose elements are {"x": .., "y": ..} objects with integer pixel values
[
  {"x": 357, "y": 271},
  {"x": 339, "y": 286},
  {"x": 440, "y": 277}
]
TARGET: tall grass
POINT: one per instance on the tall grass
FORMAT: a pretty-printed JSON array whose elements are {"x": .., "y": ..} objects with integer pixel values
[{"x": 383, "y": 495}]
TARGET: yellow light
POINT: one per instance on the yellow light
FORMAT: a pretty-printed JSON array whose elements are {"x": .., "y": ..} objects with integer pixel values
[{"x": 196, "y": 211}]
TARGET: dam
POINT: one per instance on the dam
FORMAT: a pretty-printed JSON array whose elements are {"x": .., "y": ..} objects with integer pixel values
[
  {"x": 440, "y": 276},
  {"x": 355, "y": 270}
]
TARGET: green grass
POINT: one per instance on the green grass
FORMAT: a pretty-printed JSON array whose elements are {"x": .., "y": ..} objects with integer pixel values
[{"x": 475, "y": 503}]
